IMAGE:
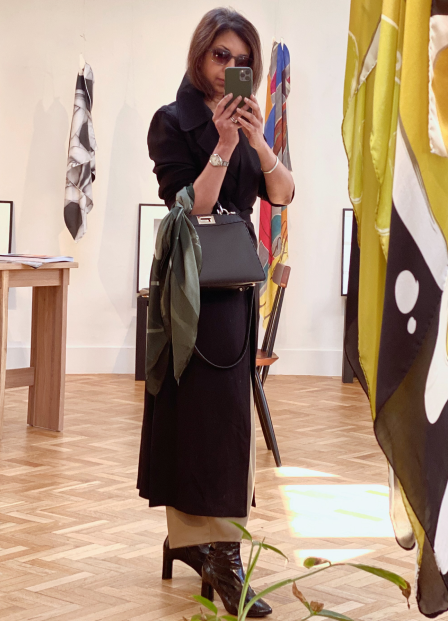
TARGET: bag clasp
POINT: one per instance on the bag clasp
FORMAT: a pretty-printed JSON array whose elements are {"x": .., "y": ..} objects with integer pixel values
[{"x": 206, "y": 219}]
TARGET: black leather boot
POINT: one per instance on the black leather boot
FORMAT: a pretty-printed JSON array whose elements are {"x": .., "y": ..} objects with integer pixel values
[
  {"x": 194, "y": 556},
  {"x": 223, "y": 572}
]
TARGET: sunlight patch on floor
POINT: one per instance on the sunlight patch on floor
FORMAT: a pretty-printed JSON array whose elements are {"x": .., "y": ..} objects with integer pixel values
[
  {"x": 338, "y": 510},
  {"x": 291, "y": 471}
]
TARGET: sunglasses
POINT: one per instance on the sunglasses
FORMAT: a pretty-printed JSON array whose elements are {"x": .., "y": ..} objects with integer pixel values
[{"x": 221, "y": 56}]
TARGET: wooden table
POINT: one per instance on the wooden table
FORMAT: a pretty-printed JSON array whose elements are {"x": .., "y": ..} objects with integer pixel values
[{"x": 46, "y": 374}]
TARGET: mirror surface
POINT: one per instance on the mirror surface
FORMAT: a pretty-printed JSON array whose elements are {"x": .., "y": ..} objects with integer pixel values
[{"x": 5, "y": 226}]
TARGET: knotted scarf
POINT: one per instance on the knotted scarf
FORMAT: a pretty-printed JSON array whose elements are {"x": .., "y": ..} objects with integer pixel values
[{"x": 174, "y": 295}]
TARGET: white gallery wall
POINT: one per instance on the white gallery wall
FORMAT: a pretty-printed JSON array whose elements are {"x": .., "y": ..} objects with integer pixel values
[{"x": 137, "y": 49}]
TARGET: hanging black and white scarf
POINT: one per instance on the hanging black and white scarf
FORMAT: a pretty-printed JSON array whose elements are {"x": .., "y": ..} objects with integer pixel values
[{"x": 81, "y": 157}]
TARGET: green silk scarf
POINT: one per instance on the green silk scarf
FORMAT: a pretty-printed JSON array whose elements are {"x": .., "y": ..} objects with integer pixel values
[{"x": 174, "y": 294}]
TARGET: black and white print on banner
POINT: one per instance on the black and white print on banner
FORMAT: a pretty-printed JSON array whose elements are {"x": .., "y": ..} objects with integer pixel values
[
  {"x": 412, "y": 388},
  {"x": 81, "y": 157}
]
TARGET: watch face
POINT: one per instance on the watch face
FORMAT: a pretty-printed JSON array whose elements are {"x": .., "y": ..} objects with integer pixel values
[{"x": 215, "y": 160}]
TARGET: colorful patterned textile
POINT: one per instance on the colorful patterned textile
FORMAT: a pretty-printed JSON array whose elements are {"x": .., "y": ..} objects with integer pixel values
[
  {"x": 81, "y": 157},
  {"x": 397, "y": 307},
  {"x": 438, "y": 78},
  {"x": 273, "y": 236}
]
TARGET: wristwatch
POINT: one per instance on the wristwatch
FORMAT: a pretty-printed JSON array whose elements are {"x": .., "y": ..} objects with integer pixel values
[{"x": 216, "y": 160}]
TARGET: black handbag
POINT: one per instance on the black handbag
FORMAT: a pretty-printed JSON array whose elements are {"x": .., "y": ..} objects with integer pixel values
[
  {"x": 229, "y": 257},
  {"x": 229, "y": 260}
]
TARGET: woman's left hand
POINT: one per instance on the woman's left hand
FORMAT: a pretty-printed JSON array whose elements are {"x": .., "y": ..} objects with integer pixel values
[{"x": 252, "y": 123}]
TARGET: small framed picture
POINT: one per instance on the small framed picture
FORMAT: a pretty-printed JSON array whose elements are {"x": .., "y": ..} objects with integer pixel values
[
  {"x": 6, "y": 220},
  {"x": 149, "y": 218},
  {"x": 347, "y": 227}
]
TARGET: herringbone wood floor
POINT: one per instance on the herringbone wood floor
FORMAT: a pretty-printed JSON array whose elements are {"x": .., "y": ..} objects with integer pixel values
[{"x": 77, "y": 543}]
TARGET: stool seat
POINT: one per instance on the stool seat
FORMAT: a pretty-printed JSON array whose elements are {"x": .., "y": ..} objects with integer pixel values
[{"x": 264, "y": 359}]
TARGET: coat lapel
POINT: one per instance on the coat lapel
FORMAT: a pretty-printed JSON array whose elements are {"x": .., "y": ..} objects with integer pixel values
[
  {"x": 194, "y": 114},
  {"x": 191, "y": 108}
]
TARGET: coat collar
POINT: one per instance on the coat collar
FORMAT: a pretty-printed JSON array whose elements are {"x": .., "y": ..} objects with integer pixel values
[
  {"x": 191, "y": 107},
  {"x": 192, "y": 113}
]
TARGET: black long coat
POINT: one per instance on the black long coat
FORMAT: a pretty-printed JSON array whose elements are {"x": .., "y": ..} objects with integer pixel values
[{"x": 195, "y": 445}]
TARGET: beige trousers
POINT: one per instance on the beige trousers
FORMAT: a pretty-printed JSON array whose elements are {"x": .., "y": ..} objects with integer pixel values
[{"x": 192, "y": 530}]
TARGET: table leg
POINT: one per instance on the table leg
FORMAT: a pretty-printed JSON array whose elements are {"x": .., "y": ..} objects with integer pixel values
[
  {"x": 48, "y": 353},
  {"x": 4, "y": 288}
]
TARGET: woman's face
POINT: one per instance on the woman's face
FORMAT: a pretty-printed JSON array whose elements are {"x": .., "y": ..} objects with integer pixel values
[{"x": 214, "y": 73}]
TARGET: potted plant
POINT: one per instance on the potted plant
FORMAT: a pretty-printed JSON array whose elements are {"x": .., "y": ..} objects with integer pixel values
[{"x": 316, "y": 565}]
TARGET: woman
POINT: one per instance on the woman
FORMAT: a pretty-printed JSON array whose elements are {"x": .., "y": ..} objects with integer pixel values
[{"x": 198, "y": 446}]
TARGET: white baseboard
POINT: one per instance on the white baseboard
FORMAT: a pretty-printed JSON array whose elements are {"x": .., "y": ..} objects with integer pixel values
[
  {"x": 326, "y": 362},
  {"x": 83, "y": 360},
  {"x": 122, "y": 360}
]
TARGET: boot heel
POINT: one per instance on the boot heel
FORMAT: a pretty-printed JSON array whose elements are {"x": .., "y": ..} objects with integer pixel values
[
  {"x": 207, "y": 591},
  {"x": 167, "y": 570}
]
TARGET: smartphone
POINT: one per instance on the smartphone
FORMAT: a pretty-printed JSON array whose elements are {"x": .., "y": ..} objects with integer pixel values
[{"x": 239, "y": 81}]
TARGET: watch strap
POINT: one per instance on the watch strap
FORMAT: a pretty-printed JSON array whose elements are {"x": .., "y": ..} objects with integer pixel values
[{"x": 216, "y": 160}]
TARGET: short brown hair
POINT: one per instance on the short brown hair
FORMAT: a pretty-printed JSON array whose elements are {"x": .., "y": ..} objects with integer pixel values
[{"x": 214, "y": 23}]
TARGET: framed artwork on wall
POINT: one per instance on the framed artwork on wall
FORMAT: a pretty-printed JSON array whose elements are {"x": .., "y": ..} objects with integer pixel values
[
  {"x": 347, "y": 227},
  {"x": 149, "y": 218},
  {"x": 6, "y": 215}
]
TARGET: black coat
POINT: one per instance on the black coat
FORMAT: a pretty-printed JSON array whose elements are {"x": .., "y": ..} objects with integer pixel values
[
  {"x": 181, "y": 138},
  {"x": 195, "y": 444}
]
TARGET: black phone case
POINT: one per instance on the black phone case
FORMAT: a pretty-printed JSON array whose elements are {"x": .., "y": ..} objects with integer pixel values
[{"x": 234, "y": 84}]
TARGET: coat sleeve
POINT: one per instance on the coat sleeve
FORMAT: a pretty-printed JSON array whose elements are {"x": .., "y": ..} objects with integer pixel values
[
  {"x": 168, "y": 148},
  {"x": 262, "y": 192}
]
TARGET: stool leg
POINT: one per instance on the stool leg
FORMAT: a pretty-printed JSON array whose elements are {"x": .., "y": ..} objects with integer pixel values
[
  {"x": 263, "y": 411},
  {"x": 261, "y": 416},
  {"x": 4, "y": 288},
  {"x": 264, "y": 374}
]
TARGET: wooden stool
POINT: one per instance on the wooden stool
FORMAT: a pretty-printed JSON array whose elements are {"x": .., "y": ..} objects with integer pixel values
[
  {"x": 266, "y": 357},
  {"x": 46, "y": 374}
]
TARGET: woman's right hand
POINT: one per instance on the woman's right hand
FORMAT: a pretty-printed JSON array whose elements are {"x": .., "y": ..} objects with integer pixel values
[{"x": 227, "y": 129}]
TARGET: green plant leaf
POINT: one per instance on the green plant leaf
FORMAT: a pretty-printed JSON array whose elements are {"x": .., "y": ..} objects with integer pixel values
[
  {"x": 204, "y": 617},
  {"x": 249, "y": 572},
  {"x": 246, "y": 533},
  {"x": 316, "y": 607},
  {"x": 407, "y": 593},
  {"x": 382, "y": 573},
  {"x": 300, "y": 596},
  {"x": 312, "y": 561},
  {"x": 273, "y": 587},
  {"x": 206, "y": 602},
  {"x": 266, "y": 546},
  {"x": 228, "y": 618},
  {"x": 329, "y": 614}
]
